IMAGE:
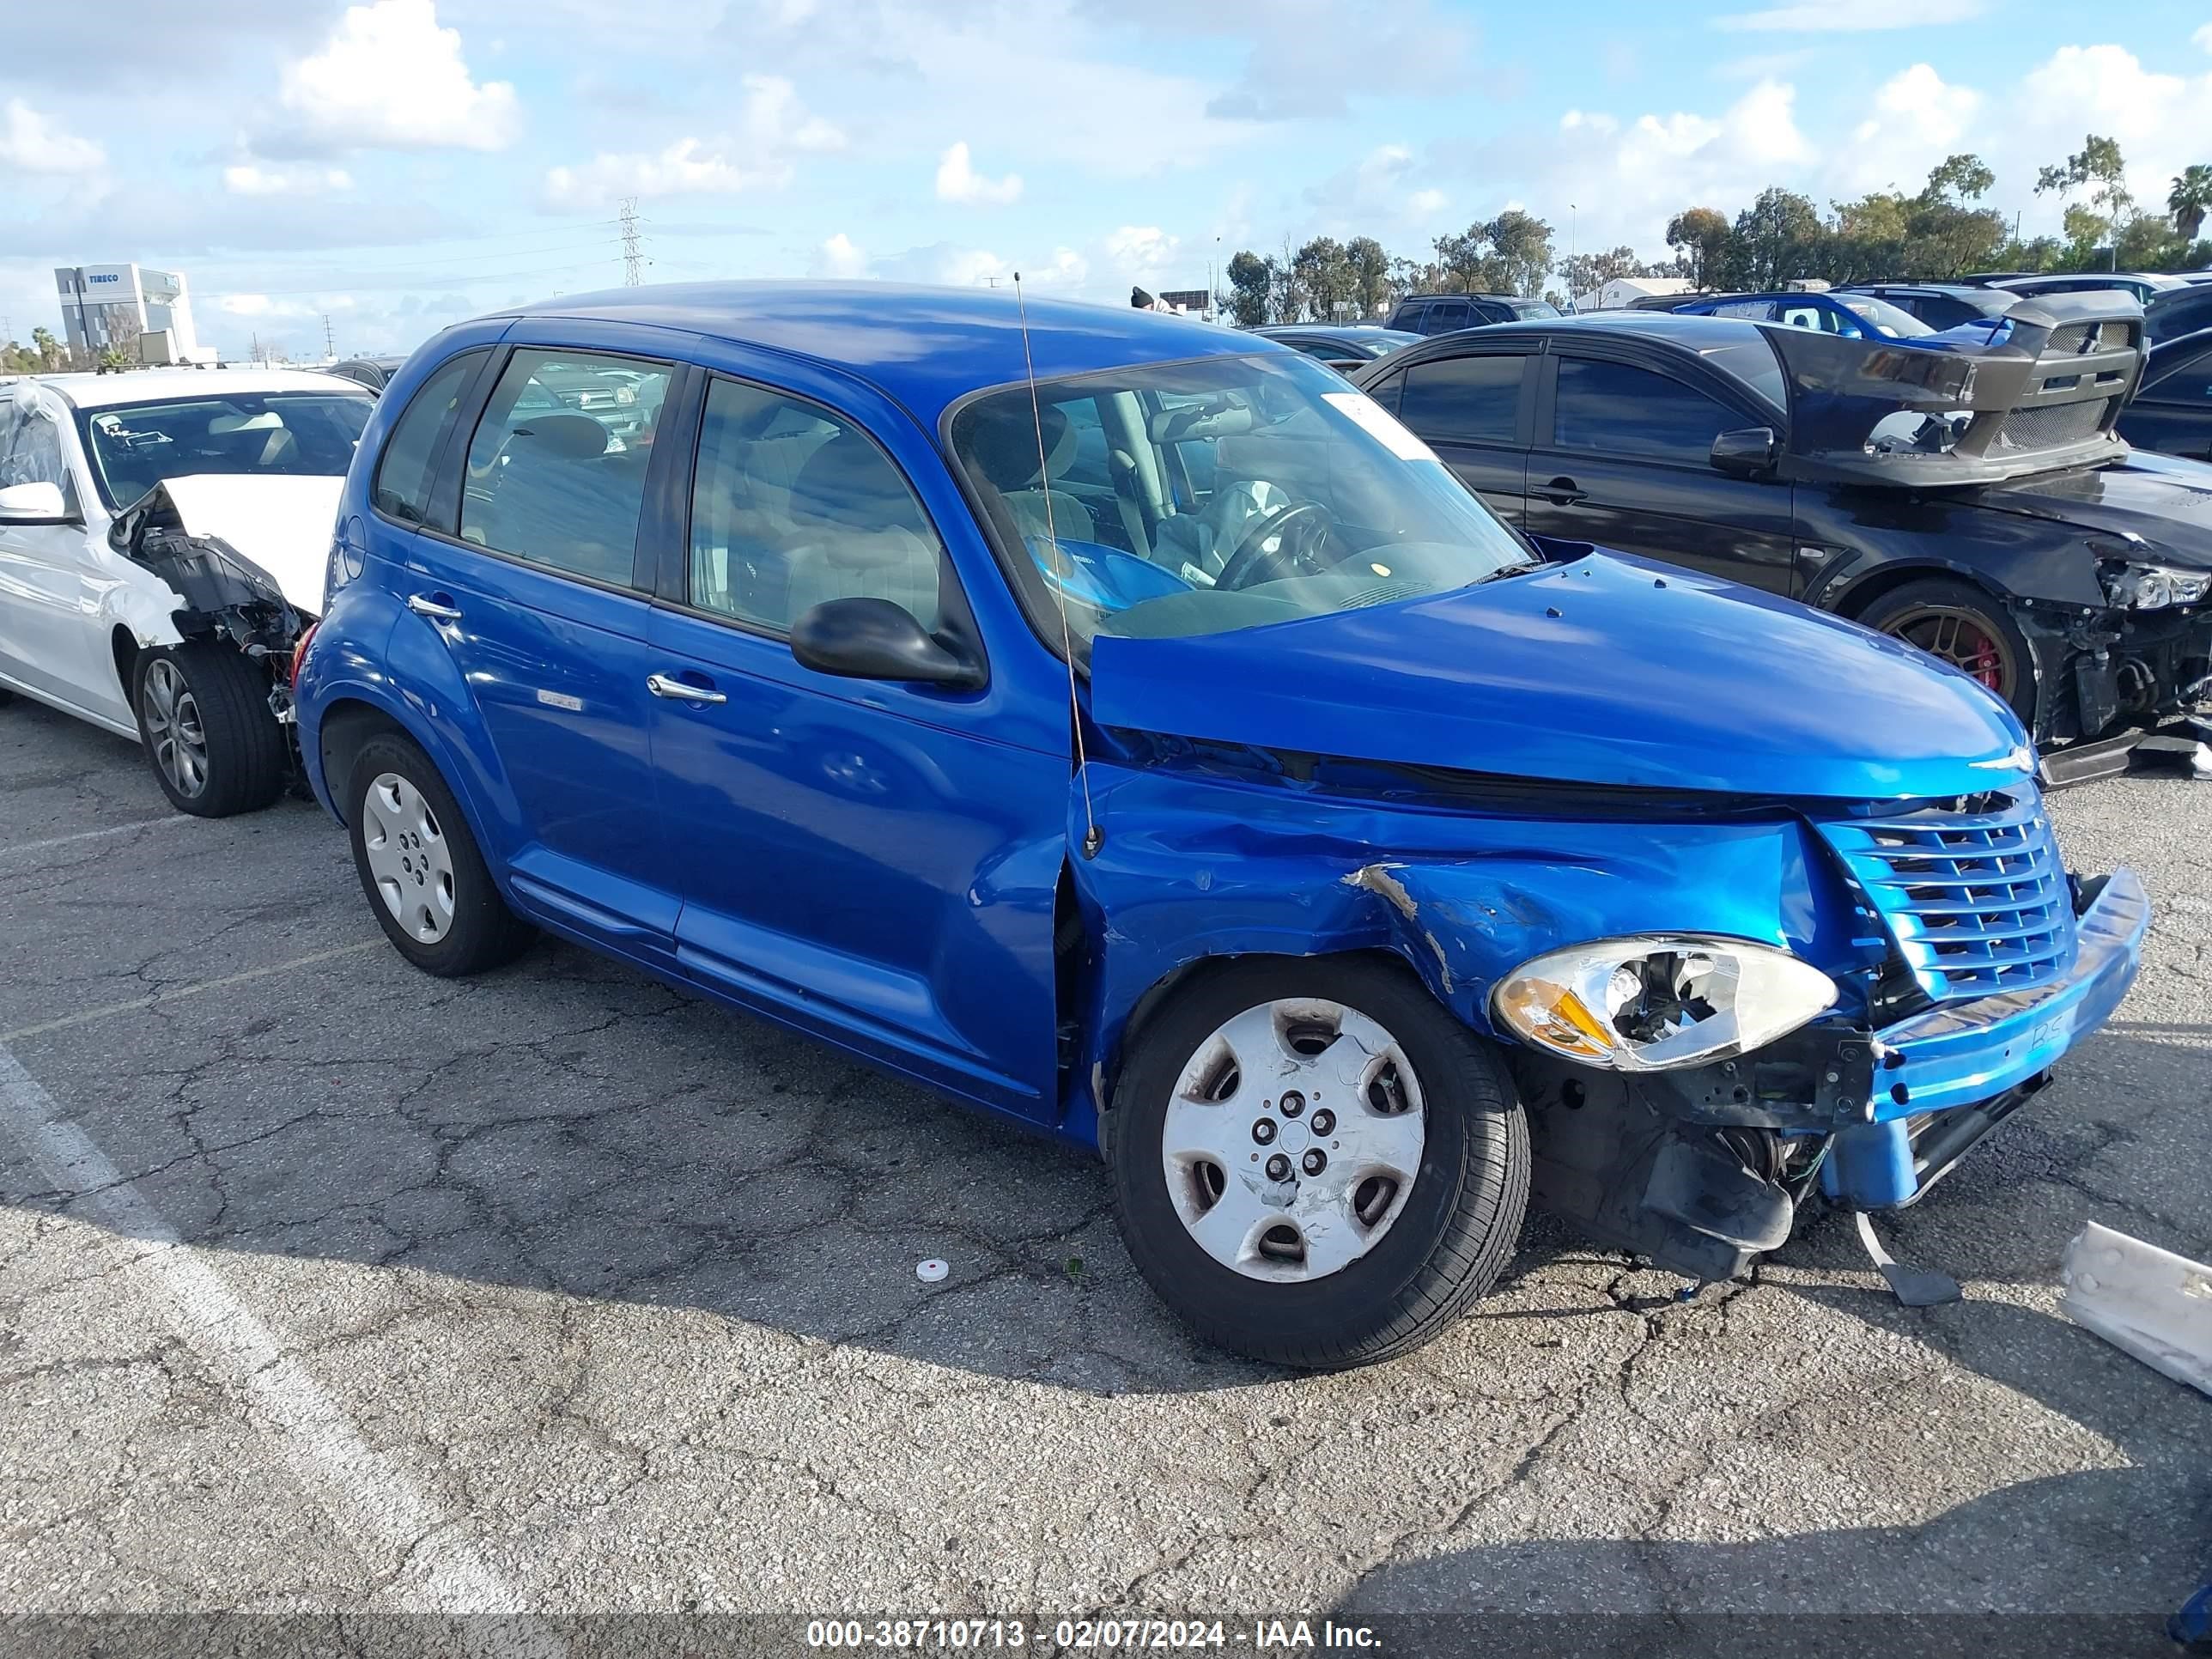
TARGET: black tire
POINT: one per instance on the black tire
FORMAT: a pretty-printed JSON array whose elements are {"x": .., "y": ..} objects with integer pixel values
[
  {"x": 483, "y": 933},
  {"x": 1461, "y": 1215},
  {"x": 1936, "y": 597},
  {"x": 242, "y": 756}
]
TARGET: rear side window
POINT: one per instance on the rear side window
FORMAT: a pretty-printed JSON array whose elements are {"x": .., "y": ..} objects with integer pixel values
[
  {"x": 1633, "y": 411},
  {"x": 1472, "y": 400},
  {"x": 406, "y": 470},
  {"x": 792, "y": 505},
  {"x": 557, "y": 469},
  {"x": 1443, "y": 319}
]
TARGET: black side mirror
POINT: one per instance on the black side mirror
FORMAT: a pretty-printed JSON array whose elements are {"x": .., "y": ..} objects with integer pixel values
[
  {"x": 1745, "y": 453},
  {"x": 876, "y": 639}
]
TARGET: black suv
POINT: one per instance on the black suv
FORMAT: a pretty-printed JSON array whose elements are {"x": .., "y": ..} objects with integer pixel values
[
  {"x": 1974, "y": 503},
  {"x": 1445, "y": 313}
]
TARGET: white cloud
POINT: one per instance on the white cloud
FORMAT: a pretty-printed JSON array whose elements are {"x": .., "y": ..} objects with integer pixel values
[
  {"x": 1141, "y": 250},
  {"x": 31, "y": 143},
  {"x": 2204, "y": 37},
  {"x": 390, "y": 78},
  {"x": 1631, "y": 178},
  {"x": 254, "y": 178},
  {"x": 1918, "y": 119},
  {"x": 838, "y": 256},
  {"x": 2159, "y": 121},
  {"x": 1378, "y": 192},
  {"x": 1827, "y": 19},
  {"x": 958, "y": 181},
  {"x": 774, "y": 130}
]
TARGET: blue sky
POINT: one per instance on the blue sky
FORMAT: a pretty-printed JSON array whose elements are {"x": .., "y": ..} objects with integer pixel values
[{"x": 398, "y": 165}]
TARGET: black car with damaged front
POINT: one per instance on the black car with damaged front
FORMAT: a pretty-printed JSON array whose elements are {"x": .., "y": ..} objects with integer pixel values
[{"x": 1974, "y": 499}]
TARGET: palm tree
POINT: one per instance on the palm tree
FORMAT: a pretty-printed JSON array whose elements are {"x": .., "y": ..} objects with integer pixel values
[
  {"x": 2190, "y": 200},
  {"x": 48, "y": 348}
]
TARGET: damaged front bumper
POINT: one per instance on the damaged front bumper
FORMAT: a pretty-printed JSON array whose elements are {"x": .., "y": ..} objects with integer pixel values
[{"x": 1702, "y": 1170}]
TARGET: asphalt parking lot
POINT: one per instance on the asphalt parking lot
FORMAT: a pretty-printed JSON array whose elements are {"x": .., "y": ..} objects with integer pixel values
[{"x": 326, "y": 1287}]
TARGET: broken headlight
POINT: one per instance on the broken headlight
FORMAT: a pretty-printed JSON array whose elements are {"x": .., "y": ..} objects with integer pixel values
[
  {"x": 1651, "y": 1003},
  {"x": 2152, "y": 586}
]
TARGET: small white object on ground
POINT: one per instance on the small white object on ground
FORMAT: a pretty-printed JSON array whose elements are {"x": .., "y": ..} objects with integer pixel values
[
  {"x": 931, "y": 1271},
  {"x": 2144, "y": 1301}
]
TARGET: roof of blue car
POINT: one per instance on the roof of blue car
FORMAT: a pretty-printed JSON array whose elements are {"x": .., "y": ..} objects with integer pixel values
[{"x": 924, "y": 346}]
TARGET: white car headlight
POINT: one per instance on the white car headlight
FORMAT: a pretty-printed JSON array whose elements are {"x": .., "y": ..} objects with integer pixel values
[
  {"x": 1656, "y": 1001},
  {"x": 2152, "y": 587}
]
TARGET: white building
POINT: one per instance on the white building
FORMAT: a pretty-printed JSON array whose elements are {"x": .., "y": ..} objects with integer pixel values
[
  {"x": 1623, "y": 291},
  {"x": 147, "y": 314}
]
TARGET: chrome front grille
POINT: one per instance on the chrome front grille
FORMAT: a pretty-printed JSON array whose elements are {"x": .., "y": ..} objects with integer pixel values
[{"x": 1976, "y": 902}]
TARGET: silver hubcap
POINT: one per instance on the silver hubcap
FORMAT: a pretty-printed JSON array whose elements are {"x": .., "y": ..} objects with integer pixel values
[
  {"x": 408, "y": 858},
  {"x": 174, "y": 728},
  {"x": 1294, "y": 1136}
]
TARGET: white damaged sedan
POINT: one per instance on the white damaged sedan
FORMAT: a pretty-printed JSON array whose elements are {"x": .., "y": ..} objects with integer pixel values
[{"x": 163, "y": 537}]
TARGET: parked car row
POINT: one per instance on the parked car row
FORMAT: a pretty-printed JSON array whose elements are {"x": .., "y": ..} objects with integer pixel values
[
  {"x": 1128, "y": 727},
  {"x": 1985, "y": 513}
]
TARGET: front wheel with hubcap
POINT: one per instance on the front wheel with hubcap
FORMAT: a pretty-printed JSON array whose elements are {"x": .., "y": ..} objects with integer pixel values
[
  {"x": 419, "y": 865},
  {"x": 203, "y": 715},
  {"x": 1317, "y": 1163}
]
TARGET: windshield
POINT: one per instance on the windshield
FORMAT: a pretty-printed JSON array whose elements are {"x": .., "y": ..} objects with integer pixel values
[
  {"x": 1200, "y": 497},
  {"x": 279, "y": 434},
  {"x": 1892, "y": 320}
]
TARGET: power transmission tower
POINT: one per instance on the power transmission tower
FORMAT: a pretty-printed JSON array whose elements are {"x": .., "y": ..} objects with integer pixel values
[
  {"x": 633, "y": 258},
  {"x": 330, "y": 347}
]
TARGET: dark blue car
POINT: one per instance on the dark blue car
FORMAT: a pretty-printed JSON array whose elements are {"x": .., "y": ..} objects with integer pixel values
[
  {"x": 1168, "y": 754},
  {"x": 1852, "y": 315}
]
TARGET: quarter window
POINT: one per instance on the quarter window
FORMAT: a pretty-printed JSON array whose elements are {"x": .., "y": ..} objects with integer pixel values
[
  {"x": 408, "y": 466},
  {"x": 557, "y": 469},
  {"x": 35, "y": 455},
  {"x": 1474, "y": 400},
  {"x": 1610, "y": 406},
  {"x": 794, "y": 505}
]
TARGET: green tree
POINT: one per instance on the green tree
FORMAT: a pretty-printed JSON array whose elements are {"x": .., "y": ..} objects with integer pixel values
[
  {"x": 1251, "y": 289},
  {"x": 1371, "y": 274},
  {"x": 1777, "y": 238},
  {"x": 48, "y": 348},
  {"x": 1521, "y": 249},
  {"x": 2097, "y": 170},
  {"x": 2190, "y": 200},
  {"x": 1463, "y": 264},
  {"x": 1700, "y": 237},
  {"x": 1586, "y": 273}
]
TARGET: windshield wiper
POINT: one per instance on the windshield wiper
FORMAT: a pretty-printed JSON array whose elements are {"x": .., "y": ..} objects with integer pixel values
[{"x": 1508, "y": 570}]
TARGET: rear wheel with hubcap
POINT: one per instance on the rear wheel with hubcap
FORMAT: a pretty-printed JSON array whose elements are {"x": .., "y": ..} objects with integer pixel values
[
  {"x": 203, "y": 715},
  {"x": 419, "y": 866},
  {"x": 1316, "y": 1164},
  {"x": 1967, "y": 627}
]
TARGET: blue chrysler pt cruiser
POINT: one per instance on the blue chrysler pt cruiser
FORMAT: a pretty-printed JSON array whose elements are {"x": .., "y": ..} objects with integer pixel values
[{"x": 1126, "y": 726}]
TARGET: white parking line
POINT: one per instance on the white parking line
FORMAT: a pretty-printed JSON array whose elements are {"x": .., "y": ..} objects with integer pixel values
[
  {"x": 365, "y": 1493},
  {"x": 161, "y": 822},
  {"x": 86, "y": 1016}
]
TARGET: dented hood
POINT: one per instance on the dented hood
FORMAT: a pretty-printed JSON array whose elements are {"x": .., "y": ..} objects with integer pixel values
[
  {"x": 2161, "y": 500},
  {"x": 281, "y": 524},
  {"x": 1606, "y": 670}
]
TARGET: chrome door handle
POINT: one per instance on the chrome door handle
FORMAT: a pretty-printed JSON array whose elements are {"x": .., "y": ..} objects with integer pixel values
[
  {"x": 423, "y": 605},
  {"x": 662, "y": 686}
]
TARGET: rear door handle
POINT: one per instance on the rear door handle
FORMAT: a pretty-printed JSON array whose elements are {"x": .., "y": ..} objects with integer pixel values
[
  {"x": 1562, "y": 492},
  {"x": 423, "y": 605},
  {"x": 662, "y": 686}
]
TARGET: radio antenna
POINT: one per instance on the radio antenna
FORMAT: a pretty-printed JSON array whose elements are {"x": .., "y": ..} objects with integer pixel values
[{"x": 1092, "y": 840}]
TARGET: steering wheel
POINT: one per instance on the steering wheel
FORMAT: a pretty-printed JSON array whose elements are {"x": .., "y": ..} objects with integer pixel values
[{"x": 1280, "y": 545}]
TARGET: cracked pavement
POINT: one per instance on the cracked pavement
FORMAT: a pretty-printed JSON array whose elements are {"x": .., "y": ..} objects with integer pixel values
[{"x": 567, "y": 1284}]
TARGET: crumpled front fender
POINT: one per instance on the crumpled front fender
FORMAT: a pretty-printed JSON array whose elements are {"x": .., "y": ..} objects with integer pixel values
[{"x": 1194, "y": 866}]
